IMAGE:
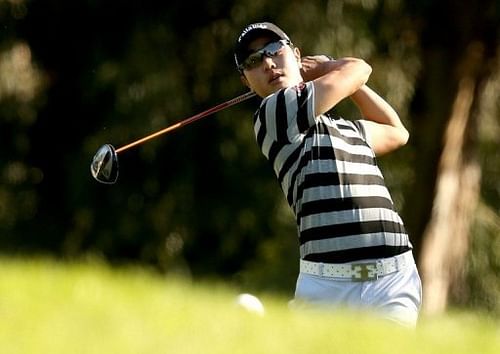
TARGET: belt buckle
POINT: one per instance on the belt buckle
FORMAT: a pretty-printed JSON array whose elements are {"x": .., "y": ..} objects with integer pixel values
[{"x": 364, "y": 271}]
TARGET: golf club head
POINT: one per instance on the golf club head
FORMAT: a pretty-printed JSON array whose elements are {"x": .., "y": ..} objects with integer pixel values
[{"x": 104, "y": 166}]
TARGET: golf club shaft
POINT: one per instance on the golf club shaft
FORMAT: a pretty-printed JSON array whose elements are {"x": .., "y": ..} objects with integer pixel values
[{"x": 189, "y": 120}]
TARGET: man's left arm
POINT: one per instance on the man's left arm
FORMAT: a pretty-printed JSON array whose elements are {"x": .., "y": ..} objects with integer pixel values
[{"x": 384, "y": 129}]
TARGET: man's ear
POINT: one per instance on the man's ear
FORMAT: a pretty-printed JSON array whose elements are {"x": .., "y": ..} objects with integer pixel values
[{"x": 296, "y": 53}]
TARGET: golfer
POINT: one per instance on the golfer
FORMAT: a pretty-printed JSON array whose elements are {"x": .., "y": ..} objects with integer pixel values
[{"x": 354, "y": 250}]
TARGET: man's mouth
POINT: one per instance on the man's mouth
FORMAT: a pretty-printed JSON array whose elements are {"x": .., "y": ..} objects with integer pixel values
[{"x": 275, "y": 77}]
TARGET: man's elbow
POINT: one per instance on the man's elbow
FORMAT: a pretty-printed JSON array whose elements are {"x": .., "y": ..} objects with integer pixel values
[
  {"x": 397, "y": 139},
  {"x": 365, "y": 71},
  {"x": 404, "y": 136},
  {"x": 362, "y": 71}
]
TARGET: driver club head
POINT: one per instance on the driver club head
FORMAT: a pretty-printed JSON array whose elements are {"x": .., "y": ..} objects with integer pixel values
[{"x": 104, "y": 166}]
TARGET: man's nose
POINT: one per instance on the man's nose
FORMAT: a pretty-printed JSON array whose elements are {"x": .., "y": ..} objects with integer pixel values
[{"x": 268, "y": 62}]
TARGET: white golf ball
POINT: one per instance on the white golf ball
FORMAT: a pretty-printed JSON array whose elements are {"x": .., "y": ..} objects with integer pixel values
[{"x": 250, "y": 303}]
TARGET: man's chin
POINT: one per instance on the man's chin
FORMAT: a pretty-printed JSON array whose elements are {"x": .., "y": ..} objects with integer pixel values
[{"x": 277, "y": 85}]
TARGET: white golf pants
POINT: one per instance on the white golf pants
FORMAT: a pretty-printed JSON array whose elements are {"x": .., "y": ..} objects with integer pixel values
[{"x": 396, "y": 296}]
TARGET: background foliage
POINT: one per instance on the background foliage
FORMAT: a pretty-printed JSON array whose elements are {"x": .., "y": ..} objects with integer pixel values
[{"x": 201, "y": 201}]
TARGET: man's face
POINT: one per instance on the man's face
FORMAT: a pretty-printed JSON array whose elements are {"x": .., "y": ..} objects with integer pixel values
[{"x": 274, "y": 72}]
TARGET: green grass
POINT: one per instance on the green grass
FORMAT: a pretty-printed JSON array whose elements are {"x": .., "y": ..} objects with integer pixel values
[{"x": 53, "y": 307}]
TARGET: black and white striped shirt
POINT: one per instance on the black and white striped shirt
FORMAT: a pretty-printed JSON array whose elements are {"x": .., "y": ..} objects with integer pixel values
[{"x": 329, "y": 175}]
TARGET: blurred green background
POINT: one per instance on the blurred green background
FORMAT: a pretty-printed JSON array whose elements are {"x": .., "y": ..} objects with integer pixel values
[{"x": 203, "y": 202}]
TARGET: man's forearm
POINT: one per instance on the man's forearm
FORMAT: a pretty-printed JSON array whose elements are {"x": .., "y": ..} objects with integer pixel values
[
  {"x": 334, "y": 80},
  {"x": 384, "y": 129},
  {"x": 375, "y": 108}
]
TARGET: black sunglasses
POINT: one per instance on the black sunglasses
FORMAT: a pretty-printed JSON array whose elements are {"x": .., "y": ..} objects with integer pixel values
[{"x": 269, "y": 50}]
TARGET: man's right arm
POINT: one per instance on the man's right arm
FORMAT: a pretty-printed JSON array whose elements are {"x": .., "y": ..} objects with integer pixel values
[{"x": 334, "y": 80}]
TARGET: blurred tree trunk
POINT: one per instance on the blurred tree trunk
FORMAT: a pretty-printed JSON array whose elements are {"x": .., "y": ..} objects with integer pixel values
[
  {"x": 458, "y": 44},
  {"x": 445, "y": 240}
]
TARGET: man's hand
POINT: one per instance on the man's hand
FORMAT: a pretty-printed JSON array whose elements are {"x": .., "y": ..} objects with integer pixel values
[{"x": 314, "y": 66}]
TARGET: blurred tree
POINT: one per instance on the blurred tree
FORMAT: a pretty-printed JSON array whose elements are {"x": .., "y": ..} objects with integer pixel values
[
  {"x": 21, "y": 85},
  {"x": 459, "y": 43}
]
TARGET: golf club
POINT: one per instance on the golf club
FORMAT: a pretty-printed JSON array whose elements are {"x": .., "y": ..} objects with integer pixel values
[{"x": 104, "y": 166}]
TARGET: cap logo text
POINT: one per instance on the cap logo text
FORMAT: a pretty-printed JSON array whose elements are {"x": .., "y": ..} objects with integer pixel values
[{"x": 250, "y": 28}]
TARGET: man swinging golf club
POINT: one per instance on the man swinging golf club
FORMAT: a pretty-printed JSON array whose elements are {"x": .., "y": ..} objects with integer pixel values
[{"x": 354, "y": 250}]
